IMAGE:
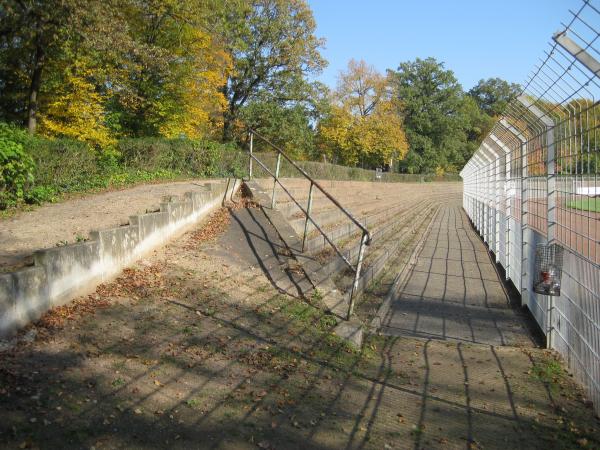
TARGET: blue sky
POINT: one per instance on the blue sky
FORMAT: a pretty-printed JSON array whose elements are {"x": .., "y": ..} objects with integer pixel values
[{"x": 475, "y": 39}]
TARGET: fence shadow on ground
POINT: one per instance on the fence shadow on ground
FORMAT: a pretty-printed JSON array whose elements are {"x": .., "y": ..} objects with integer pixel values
[
  {"x": 455, "y": 291},
  {"x": 197, "y": 360}
]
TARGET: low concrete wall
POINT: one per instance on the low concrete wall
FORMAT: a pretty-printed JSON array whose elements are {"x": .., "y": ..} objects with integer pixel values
[{"x": 61, "y": 273}]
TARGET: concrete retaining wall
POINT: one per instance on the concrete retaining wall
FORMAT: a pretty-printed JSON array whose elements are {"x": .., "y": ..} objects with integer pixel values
[{"x": 59, "y": 274}]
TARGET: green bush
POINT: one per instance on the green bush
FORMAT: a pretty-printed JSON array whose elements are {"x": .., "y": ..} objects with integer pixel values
[
  {"x": 61, "y": 166},
  {"x": 66, "y": 165},
  {"x": 35, "y": 169},
  {"x": 19, "y": 135},
  {"x": 40, "y": 194},
  {"x": 16, "y": 172},
  {"x": 192, "y": 157}
]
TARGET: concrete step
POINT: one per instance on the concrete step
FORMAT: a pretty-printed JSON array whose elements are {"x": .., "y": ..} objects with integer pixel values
[
  {"x": 338, "y": 232},
  {"x": 304, "y": 267},
  {"x": 331, "y": 218},
  {"x": 385, "y": 241},
  {"x": 328, "y": 275},
  {"x": 354, "y": 204},
  {"x": 377, "y": 260}
]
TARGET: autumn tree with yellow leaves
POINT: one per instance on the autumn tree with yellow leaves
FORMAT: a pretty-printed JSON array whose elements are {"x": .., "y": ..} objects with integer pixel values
[
  {"x": 99, "y": 71},
  {"x": 362, "y": 126}
]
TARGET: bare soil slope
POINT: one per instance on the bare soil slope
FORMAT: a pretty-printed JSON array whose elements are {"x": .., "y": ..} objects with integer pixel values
[{"x": 66, "y": 222}]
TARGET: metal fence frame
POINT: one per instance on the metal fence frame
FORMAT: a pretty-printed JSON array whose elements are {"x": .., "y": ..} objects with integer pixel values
[{"x": 533, "y": 180}]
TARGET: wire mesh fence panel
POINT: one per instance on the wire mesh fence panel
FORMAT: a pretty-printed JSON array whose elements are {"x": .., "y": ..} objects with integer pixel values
[{"x": 533, "y": 184}]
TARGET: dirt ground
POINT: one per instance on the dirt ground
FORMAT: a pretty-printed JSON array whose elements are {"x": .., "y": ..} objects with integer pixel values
[
  {"x": 73, "y": 219},
  {"x": 194, "y": 347}
]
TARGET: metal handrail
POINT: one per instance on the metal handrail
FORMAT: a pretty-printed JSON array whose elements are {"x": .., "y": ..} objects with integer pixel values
[{"x": 365, "y": 235}]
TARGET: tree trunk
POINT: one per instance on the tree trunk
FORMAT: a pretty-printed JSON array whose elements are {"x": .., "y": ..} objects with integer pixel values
[
  {"x": 34, "y": 88},
  {"x": 226, "y": 127},
  {"x": 228, "y": 120}
]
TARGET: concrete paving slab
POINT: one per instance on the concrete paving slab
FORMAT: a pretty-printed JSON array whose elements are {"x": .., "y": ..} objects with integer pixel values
[{"x": 453, "y": 292}]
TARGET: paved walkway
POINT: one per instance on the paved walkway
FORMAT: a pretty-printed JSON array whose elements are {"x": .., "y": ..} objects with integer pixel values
[{"x": 454, "y": 292}]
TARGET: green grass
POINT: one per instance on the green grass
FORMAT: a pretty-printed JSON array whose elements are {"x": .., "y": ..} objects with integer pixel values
[
  {"x": 118, "y": 382},
  {"x": 193, "y": 403},
  {"x": 550, "y": 372},
  {"x": 301, "y": 312},
  {"x": 586, "y": 204}
]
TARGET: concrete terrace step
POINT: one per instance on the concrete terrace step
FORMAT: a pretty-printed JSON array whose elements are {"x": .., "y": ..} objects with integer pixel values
[
  {"x": 305, "y": 267},
  {"x": 392, "y": 222},
  {"x": 329, "y": 219},
  {"x": 337, "y": 231},
  {"x": 386, "y": 242},
  {"x": 388, "y": 227},
  {"x": 352, "y": 204}
]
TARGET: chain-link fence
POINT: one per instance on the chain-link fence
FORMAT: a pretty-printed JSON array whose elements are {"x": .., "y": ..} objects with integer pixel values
[{"x": 534, "y": 180}]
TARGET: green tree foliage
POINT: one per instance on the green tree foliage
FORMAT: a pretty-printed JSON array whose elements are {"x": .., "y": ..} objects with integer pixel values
[
  {"x": 273, "y": 48},
  {"x": 100, "y": 71},
  {"x": 287, "y": 127},
  {"x": 96, "y": 70},
  {"x": 442, "y": 123},
  {"x": 40, "y": 41},
  {"x": 494, "y": 94},
  {"x": 16, "y": 171},
  {"x": 171, "y": 82}
]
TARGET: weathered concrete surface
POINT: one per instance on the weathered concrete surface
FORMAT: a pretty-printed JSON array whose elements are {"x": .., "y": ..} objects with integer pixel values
[
  {"x": 289, "y": 269},
  {"x": 351, "y": 331},
  {"x": 454, "y": 292},
  {"x": 48, "y": 225},
  {"x": 190, "y": 350},
  {"x": 61, "y": 273},
  {"x": 251, "y": 240},
  {"x": 308, "y": 268}
]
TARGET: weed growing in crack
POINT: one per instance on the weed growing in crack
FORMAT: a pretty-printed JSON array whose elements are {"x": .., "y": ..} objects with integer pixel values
[
  {"x": 316, "y": 295},
  {"x": 118, "y": 382}
]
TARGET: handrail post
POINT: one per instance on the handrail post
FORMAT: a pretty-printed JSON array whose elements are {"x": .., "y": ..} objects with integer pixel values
[
  {"x": 308, "y": 208},
  {"x": 250, "y": 159},
  {"x": 275, "y": 179},
  {"x": 361, "y": 254}
]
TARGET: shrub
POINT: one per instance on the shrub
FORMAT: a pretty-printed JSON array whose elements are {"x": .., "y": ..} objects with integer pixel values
[
  {"x": 40, "y": 194},
  {"x": 65, "y": 164},
  {"x": 16, "y": 172},
  {"x": 192, "y": 157},
  {"x": 19, "y": 135}
]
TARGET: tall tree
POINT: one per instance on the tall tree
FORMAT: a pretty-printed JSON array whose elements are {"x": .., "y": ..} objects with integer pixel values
[
  {"x": 363, "y": 125},
  {"x": 33, "y": 30},
  {"x": 494, "y": 94},
  {"x": 40, "y": 42},
  {"x": 290, "y": 125},
  {"x": 173, "y": 82},
  {"x": 361, "y": 87},
  {"x": 431, "y": 102},
  {"x": 273, "y": 48}
]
